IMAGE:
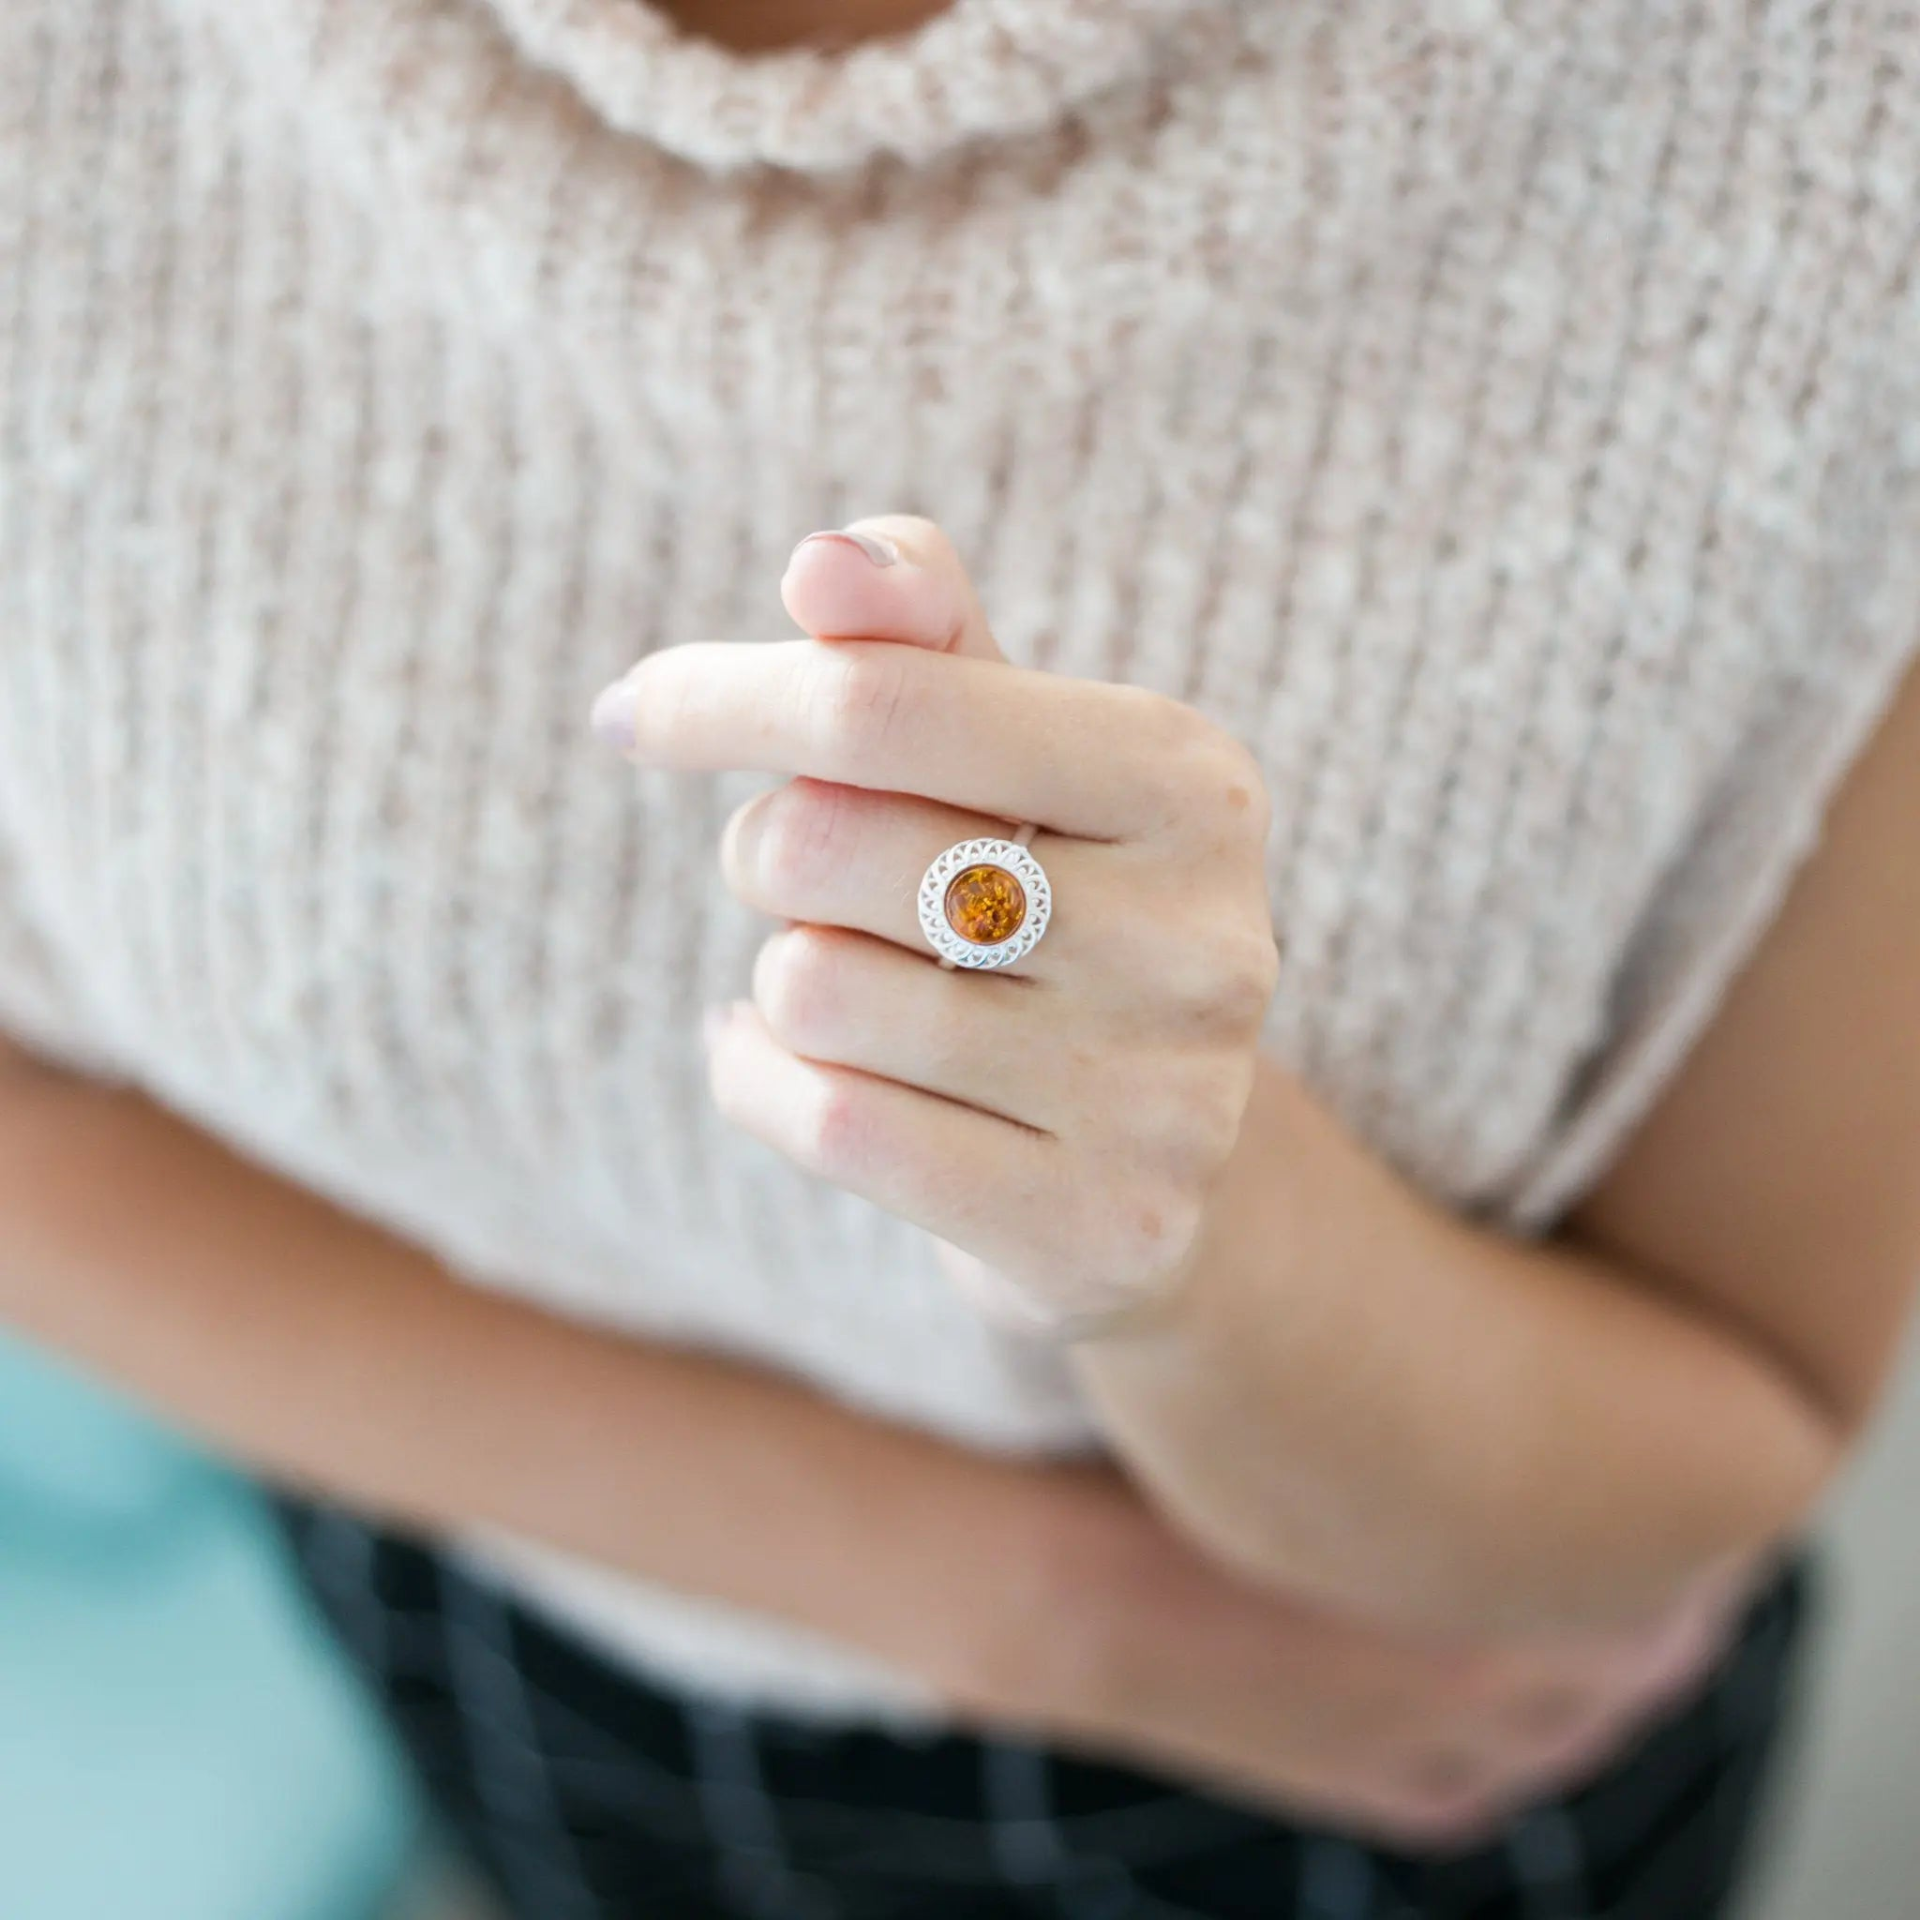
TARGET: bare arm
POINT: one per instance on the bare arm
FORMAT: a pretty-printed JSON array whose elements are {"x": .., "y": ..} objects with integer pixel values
[
  {"x": 324, "y": 1351},
  {"x": 1358, "y": 1395}
]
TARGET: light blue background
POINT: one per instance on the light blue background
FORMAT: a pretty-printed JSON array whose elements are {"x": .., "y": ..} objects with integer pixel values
[{"x": 176, "y": 1741}]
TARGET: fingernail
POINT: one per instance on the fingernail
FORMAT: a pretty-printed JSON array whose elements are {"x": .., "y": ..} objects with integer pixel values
[
  {"x": 714, "y": 1020},
  {"x": 876, "y": 546},
  {"x": 615, "y": 713}
]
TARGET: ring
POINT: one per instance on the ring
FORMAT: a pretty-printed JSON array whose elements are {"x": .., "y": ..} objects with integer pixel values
[{"x": 985, "y": 903}]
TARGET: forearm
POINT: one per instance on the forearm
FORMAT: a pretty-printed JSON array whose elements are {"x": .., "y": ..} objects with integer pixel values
[
  {"x": 1365, "y": 1399},
  {"x": 328, "y": 1353}
]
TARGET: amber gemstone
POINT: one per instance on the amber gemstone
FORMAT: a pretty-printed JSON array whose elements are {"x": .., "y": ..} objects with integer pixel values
[{"x": 985, "y": 905}]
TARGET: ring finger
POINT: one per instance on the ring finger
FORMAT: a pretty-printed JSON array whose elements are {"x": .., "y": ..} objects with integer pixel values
[{"x": 843, "y": 856}]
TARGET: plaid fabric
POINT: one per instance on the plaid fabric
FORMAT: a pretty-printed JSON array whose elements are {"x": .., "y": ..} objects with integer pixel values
[{"x": 588, "y": 1794}]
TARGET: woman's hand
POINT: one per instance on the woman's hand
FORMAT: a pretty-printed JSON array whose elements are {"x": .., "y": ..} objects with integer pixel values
[
  {"x": 1060, "y": 1120},
  {"x": 1418, "y": 1742}
]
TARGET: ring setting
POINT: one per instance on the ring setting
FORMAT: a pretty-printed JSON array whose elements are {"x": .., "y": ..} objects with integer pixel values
[{"x": 984, "y": 903}]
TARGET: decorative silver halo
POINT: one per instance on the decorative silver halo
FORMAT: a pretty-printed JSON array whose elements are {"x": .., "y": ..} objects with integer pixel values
[{"x": 1012, "y": 859}]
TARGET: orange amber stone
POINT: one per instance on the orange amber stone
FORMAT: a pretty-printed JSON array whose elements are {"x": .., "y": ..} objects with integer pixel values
[{"x": 985, "y": 905}]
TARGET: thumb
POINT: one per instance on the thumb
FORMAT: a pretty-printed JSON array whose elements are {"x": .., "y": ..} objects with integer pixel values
[{"x": 888, "y": 578}]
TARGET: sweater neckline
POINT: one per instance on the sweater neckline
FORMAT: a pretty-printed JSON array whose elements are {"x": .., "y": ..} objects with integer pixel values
[{"x": 978, "y": 69}]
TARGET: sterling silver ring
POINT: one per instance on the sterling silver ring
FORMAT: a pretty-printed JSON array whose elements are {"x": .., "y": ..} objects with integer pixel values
[{"x": 985, "y": 903}]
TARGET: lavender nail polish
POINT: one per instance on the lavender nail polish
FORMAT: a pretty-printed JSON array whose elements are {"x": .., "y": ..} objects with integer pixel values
[
  {"x": 615, "y": 713},
  {"x": 877, "y": 547}
]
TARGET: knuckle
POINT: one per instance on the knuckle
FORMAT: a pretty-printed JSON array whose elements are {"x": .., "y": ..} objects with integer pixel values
[
  {"x": 862, "y": 699},
  {"x": 1221, "y": 981},
  {"x": 1217, "y": 1125},
  {"x": 1248, "y": 960},
  {"x": 803, "y": 836},
  {"x": 1221, "y": 783},
  {"x": 798, "y": 988},
  {"x": 837, "y": 1131},
  {"x": 1250, "y": 768},
  {"x": 1203, "y": 1109},
  {"x": 729, "y": 1089},
  {"x": 1143, "y": 1236},
  {"x": 1183, "y": 977},
  {"x": 1241, "y": 782}
]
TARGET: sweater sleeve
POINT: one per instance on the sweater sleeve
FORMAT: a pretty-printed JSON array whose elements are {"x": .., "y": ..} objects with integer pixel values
[{"x": 1722, "y": 893}]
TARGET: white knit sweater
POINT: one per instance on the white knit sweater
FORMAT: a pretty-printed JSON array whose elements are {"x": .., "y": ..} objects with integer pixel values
[{"x": 1502, "y": 417}]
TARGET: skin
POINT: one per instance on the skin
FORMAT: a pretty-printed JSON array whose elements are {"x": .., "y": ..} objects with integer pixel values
[
  {"x": 764, "y": 26},
  {"x": 1763, "y": 1219},
  {"x": 1328, "y": 1382},
  {"x": 317, "y": 1349}
]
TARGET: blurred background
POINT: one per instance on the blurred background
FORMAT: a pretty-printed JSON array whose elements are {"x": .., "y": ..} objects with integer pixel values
[
  {"x": 176, "y": 1742},
  {"x": 1851, "y": 1845}
]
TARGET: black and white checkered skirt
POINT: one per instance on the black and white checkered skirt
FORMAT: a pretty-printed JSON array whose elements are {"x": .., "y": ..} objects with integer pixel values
[{"x": 587, "y": 1794}]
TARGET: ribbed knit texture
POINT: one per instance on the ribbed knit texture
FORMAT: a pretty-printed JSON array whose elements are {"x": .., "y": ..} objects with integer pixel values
[{"x": 1503, "y": 419}]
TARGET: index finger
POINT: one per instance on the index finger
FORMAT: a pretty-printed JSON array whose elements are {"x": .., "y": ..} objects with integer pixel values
[{"x": 1077, "y": 756}]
